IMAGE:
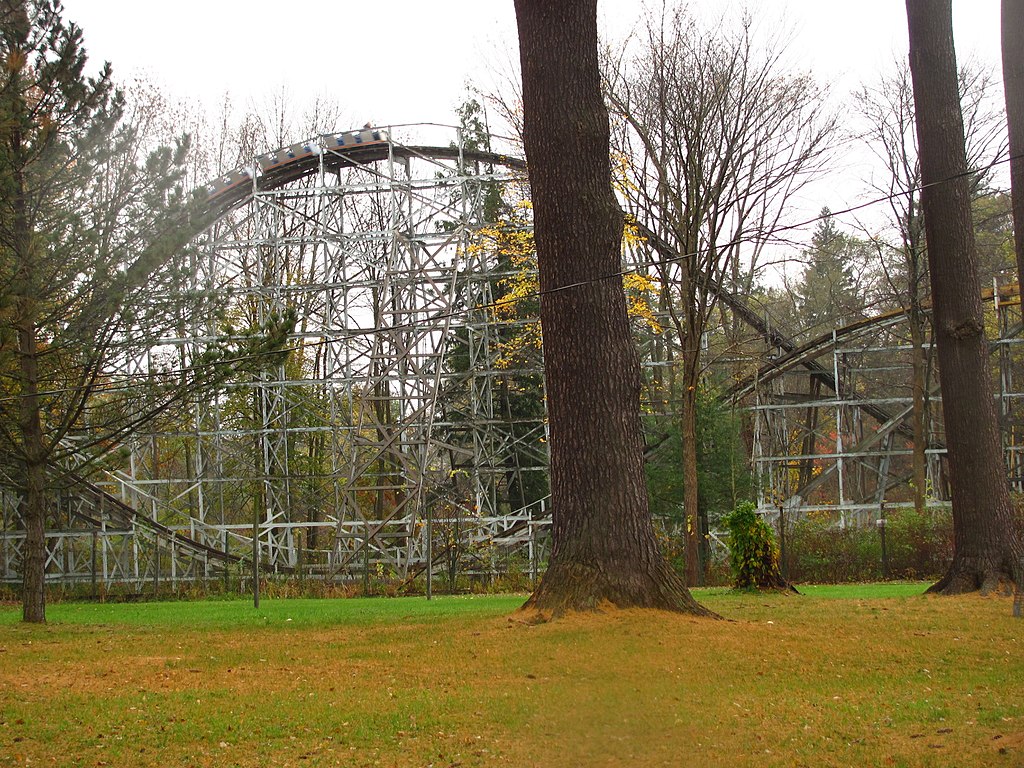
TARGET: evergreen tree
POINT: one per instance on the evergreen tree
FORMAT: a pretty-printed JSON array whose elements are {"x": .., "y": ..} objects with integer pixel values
[
  {"x": 830, "y": 295},
  {"x": 70, "y": 200},
  {"x": 93, "y": 269}
]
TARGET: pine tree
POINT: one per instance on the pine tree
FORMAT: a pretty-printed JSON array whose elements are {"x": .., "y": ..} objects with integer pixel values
[
  {"x": 829, "y": 295},
  {"x": 93, "y": 268}
]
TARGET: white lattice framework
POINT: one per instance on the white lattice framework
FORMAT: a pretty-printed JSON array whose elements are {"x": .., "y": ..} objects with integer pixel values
[
  {"x": 368, "y": 433},
  {"x": 845, "y": 451}
]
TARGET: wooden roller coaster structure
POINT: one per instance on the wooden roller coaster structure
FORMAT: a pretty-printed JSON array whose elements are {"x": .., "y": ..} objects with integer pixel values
[{"x": 388, "y": 447}]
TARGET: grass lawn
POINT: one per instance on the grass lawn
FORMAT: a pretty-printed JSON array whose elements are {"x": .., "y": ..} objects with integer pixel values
[{"x": 874, "y": 675}]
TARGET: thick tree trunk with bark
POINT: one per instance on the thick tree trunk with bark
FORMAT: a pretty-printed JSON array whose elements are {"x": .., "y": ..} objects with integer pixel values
[
  {"x": 33, "y": 499},
  {"x": 986, "y": 552},
  {"x": 33, "y": 513},
  {"x": 30, "y": 427},
  {"x": 604, "y": 547},
  {"x": 1013, "y": 86}
]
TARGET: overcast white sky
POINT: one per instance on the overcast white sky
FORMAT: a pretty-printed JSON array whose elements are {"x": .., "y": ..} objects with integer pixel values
[{"x": 407, "y": 61}]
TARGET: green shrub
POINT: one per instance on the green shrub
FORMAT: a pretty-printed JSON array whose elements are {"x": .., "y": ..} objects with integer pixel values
[
  {"x": 753, "y": 553},
  {"x": 820, "y": 550},
  {"x": 919, "y": 545}
]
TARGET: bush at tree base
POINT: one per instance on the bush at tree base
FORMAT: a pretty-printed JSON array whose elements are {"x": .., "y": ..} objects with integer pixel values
[{"x": 753, "y": 552}]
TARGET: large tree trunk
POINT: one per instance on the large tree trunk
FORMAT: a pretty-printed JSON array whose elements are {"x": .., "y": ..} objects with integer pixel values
[
  {"x": 604, "y": 548},
  {"x": 985, "y": 549},
  {"x": 30, "y": 428},
  {"x": 1013, "y": 85}
]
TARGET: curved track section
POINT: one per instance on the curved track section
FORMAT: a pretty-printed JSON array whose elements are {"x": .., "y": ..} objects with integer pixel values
[
  {"x": 815, "y": 450},
  {"x": 805, "y": 353},
  {"x": 150, "y": 526},
  {"x": 389, "y": 414},
  {"x": 336, "y": 151}
]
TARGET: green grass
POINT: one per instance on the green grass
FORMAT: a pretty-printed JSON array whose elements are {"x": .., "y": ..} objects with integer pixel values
[
  {"x": 866, "y": 591},
  {"x": 866, "y": 675},
  {"x": 240, "y": 614}
]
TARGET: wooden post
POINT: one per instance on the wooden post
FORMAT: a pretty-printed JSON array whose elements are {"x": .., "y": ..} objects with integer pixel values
[
  {"x": 299, "y": 559},
  {"x": 366, "y": 558},
  {"x": 784, "y": 567},
  {"x": 881, "y": 536},
  {"x": 95, "y": 538},
  {"x": 256, "y": 559},
  {"x": 227, "y": 566},
  {"x": 430, "y": 553},
  {"x": 156, "y": 568}
]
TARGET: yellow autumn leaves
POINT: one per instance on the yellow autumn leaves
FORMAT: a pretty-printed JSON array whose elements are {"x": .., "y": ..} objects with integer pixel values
[{"x": 508, "y": 248}]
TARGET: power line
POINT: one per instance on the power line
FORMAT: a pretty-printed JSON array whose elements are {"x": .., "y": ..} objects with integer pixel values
[{"x": 496, "y": 305}]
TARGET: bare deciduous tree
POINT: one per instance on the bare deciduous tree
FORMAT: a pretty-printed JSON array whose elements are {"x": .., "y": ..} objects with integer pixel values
[{"x": 718, "y": 138}]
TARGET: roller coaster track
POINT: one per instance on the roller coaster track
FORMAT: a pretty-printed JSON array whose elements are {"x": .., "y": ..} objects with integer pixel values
[
  {"x": 84, "y": 510},
  {"x": 804, "y": 355},
  {"x": 108, "y": 508},
  {"x": 98, "y": 507},
  {"x": 334, "y": 160},
  {"x": 794, "y": 354}
]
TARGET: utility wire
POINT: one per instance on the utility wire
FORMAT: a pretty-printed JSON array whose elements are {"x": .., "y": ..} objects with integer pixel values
[{"x": 495, "y": 305}]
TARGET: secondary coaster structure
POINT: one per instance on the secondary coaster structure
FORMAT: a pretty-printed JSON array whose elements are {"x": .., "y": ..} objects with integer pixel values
[{"x": 832, "y": 416}]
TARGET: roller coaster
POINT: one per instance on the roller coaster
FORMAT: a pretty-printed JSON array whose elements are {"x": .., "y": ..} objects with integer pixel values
[
  {"x": 373, "y": 453},
  {"x": 395, "y": 442},
  {"x": 836, "y": 437},
  {"x": 839, "y": 440}
]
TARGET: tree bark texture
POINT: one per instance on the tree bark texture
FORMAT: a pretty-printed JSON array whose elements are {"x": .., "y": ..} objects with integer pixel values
[
  {"x": 33, "y": 513},
  {"x": 604, "y": 549},
  {"x": 33, "y": 500},
  {"x": 33, "y": 449},
  {"x": 986, "y": 552},
  {"x": 1013, "y": 86}
]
